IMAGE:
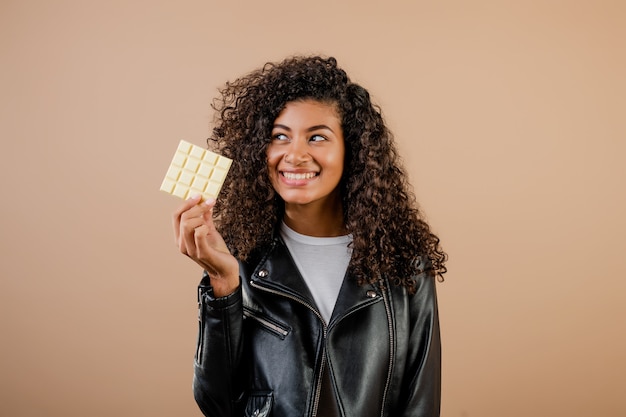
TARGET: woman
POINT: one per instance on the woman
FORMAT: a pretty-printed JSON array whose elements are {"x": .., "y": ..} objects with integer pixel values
[{"x": 318, "y": 295}]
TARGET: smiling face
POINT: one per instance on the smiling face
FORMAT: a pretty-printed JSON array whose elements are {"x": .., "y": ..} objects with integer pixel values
[{"x": 305, "y": 157}]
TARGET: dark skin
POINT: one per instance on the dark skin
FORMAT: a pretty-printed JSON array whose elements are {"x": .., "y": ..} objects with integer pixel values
[
  {"x": 305, "y": 161},
  {"x": 197, "y": 238}
]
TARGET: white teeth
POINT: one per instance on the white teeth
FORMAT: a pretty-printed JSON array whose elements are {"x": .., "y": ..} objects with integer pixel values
[{"x": 299, "y": 176}]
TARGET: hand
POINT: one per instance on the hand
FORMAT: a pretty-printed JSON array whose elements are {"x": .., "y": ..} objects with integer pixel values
[{"x": 197, "y": 238}]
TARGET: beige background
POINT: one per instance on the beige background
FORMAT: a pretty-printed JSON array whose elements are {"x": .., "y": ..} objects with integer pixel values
[{"x": 511, "y": 119}]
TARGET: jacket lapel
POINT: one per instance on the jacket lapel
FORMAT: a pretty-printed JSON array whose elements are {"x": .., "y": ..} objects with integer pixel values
[
  {"x": 278, "y": 270},
  {"x": 352, "y": 297}
]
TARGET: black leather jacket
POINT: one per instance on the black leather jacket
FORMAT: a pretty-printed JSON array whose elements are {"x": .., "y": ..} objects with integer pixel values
[{"x": 262, "y": 350}]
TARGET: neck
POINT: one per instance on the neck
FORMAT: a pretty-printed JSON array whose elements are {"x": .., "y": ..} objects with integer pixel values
[{"x": 318, "y": 220}]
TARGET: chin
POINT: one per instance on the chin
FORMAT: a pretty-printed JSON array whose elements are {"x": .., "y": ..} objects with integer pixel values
[
  {"x": 298, "y": 201},
  {"x": 289, "y": 198}
]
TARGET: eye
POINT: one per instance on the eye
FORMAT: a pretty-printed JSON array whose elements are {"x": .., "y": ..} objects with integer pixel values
[
  {"x": 280, "y": 137},
  {"x": 317, "y": 138}
]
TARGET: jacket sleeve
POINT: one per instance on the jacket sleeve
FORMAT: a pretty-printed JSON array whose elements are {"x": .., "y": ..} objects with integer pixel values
[
  {"x": 216, "y": 385},
  {"x": 422, "y": 387}
]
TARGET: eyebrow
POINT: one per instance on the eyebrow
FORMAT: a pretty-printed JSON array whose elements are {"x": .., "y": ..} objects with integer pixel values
[{"x": 310, "y": 129}]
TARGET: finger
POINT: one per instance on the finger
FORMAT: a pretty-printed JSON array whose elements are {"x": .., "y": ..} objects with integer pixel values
[
  {"x": 202, "y": 246},
  {"x": 210, "y": 235},
  {"x": 189, "y": 219},
  {"x": 210, "y": 257},
  {"x": 186, "y": 240},
  {"x": 178, "y": 213},
  {"x": 199, "y": 210},
  {"x": 207, "y": 213}
]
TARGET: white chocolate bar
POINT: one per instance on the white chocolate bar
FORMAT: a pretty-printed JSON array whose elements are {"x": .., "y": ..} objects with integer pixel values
[{"x": 195, "y": 170}]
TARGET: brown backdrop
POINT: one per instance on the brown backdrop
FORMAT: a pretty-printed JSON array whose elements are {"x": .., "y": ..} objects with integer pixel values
[{"x": 509, "y": 116}]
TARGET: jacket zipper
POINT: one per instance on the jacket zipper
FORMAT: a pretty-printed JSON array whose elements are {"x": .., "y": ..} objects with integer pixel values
[
  {"x": 391, "y": 346},
  {"x": 200, "y": 326},
  {"x": 273, "y": 327},
  {"x": 318, "y": 389}
]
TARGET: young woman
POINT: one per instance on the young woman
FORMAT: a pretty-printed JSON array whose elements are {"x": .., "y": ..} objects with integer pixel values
[{"x": 318, "y": 295}]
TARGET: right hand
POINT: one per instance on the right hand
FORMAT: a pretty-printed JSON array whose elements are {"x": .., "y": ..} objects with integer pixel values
[{"x": 197, "y": 238}]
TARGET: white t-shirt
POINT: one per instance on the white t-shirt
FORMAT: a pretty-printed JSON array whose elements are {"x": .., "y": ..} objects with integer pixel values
[{"x": 322, "y": 262}]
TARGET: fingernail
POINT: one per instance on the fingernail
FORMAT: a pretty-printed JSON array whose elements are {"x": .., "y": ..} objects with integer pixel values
[
  {"x": 195, "y": 197},
  {"x": 209, "y": 201}
]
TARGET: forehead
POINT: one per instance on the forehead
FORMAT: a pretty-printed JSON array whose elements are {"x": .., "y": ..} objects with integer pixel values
[{"x": 309, "y": 109}]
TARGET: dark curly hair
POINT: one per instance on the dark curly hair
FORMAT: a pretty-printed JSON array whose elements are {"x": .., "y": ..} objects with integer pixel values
[{"x": 390, "y": 235}]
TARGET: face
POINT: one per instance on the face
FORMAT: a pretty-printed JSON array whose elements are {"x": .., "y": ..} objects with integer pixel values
[{"x": 305, "y": 157}]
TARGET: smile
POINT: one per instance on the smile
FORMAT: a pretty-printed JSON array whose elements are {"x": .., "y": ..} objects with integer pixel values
[{"x": 299, "y": 175}]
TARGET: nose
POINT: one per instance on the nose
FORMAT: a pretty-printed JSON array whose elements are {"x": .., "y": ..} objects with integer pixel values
[{"x": 297, "y": 152}]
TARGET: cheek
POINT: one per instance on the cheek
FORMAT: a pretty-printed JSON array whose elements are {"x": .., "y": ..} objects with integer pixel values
[
  {"x": 272, "y": 158},
  {"x": 337, "y": 161}
]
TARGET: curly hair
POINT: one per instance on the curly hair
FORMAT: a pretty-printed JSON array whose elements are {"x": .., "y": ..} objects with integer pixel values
[{"x": 390, "y": 236}]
